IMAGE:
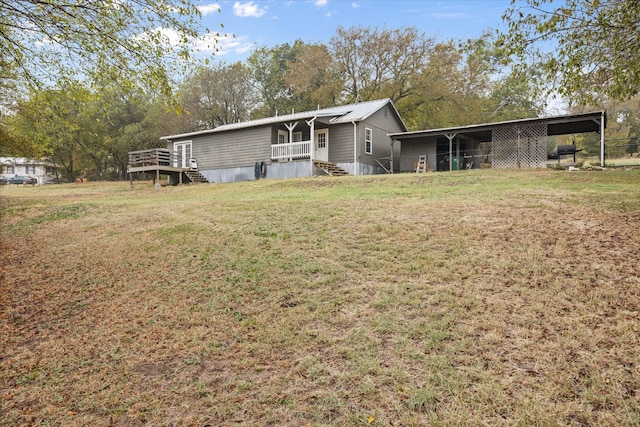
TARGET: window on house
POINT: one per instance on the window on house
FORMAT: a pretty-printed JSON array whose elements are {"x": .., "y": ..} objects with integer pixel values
[
  {"x": 297, "y": 136},
  {"x": 283, "y": 137},
  {"x": 9, "y": 169},
  {"x": 30, "y": 169},
  {"x": 322, "y": 140},
  {"x": 50, "y": 170},
  {"x": 368, "y": 140}
]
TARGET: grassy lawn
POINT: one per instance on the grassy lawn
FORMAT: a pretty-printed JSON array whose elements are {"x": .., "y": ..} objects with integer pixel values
[{"x": 485, "y": 297}]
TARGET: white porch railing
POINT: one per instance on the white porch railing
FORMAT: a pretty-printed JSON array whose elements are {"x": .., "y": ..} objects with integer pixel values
[{"x": 294, "y": 150}]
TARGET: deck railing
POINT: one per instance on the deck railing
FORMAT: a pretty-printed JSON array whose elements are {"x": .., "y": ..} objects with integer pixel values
[
  {"x": 152, "y": 157},
  {"x": 294, "y": 150}
]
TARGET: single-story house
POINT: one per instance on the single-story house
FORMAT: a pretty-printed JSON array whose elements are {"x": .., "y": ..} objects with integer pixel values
[
  {"x": 349, "y": 139},
  {"x": 510, "y": 144},
  {"x": 44, "y": 171}
]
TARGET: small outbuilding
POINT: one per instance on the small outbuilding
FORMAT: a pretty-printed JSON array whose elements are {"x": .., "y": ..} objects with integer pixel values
[{"x": 509, "y": 144}]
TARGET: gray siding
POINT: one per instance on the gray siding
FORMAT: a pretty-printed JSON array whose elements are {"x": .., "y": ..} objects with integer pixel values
[
  {"x": 341, "y": 143},
  {"x": 382, "y": 123},
  {"x": 413, "y": 149},
  {"x": 242, "y": 148},
  {"x": 231, "y": 155}
]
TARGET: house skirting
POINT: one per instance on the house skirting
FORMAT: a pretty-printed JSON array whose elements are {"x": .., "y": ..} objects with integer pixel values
[
  {"x": 274, "y": 170},
  {"x": 280, "y": 170}
]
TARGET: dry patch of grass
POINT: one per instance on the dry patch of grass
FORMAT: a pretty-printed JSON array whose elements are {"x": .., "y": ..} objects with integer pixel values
[{"x": 472, "y": 298}]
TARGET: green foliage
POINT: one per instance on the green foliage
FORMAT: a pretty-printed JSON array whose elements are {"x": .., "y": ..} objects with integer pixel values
[
  {"x": 268, "y": 69},
  {"x": 217, "y": 95},
  {"x": 587, "y": 50},
  {"x": 132, "y": 43}
]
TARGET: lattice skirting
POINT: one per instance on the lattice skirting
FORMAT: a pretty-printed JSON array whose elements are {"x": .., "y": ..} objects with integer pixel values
[{"x": 519, "y": 146}]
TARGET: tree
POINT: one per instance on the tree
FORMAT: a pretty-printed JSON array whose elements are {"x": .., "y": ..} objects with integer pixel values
[
  {"x": 588, "y": 50},
  {"x": 268, "y": 68},
  {"x": 52, "y": 124},
  {"x": 218, "y": 95},
  {"x": 134, "y": 43},
  {"x": 376, "y": 63},
  {"x": 313, "y": 76}
]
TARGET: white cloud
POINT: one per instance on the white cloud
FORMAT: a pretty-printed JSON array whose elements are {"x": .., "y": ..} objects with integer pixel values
[
  {"x": 208, "y": 9},
  {"x": 320, "y": 3},
  {"x": 249, "y": 9},
  {"x": 227, "y": 44},
  {"x": 355, "y": 5}
]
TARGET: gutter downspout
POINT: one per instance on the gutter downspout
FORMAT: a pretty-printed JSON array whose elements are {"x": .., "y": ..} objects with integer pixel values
[{"x": 355, "y": 147}]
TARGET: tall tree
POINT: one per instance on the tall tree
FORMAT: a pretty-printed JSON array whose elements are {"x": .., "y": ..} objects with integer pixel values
[
  {"x": 268, "y": 68},
  {"x": 313, "y": 76},
  {"x": 218, "y": 95},
  {"x": 378, "y": 63},
  {"x": 588, "y": 50}
]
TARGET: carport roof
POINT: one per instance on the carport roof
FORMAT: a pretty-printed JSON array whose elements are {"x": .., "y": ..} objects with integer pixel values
[{"x": 557, "y": 125}]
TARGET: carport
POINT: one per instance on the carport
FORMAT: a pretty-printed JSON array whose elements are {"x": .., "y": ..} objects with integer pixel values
[{"x": 510, "y": 144}]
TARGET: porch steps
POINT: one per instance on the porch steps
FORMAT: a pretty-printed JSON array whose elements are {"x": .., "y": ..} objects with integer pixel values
[
  {"x": 330, "y": 168},
  {"x": 195, "y": 176}
]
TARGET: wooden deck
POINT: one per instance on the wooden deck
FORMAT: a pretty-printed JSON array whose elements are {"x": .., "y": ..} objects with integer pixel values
[
  {"x": 154, "y": 159},
  {"x": 162, "y": 162}
]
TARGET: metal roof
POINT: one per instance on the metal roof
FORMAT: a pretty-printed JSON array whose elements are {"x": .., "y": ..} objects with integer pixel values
[
  {"x": 557, "y": 125},
  {"x": 340, "y": 114}
]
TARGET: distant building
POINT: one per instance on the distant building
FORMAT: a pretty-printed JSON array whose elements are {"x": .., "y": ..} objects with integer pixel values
[{"x": 44, "y": 171}]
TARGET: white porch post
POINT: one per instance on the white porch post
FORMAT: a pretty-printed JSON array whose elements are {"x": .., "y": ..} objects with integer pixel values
[
  {"x": 290, "y": 127},
  {"x": 312, "y": 145}
]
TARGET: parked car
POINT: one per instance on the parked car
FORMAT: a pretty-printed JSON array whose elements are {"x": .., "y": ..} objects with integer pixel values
[
  {"x": 22, "y": 179},
  {"x": 3, "y": 180}
]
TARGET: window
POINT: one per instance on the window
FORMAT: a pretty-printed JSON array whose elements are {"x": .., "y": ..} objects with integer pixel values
[
  {"x": 283, "y": 137},
  {"x": 322, "y": 140},
  {"x": 50, "y": 170},
  {"x": 368, "y": 140},
  {"x": 297, "y": 136},
  {"x": 9, "y": 169},
  {"x": 30, "y": 169}
]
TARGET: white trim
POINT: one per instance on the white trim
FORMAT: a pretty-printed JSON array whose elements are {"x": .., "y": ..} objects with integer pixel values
[
  {"x": 370, "y": 132},
  {"x": 321, "y": 153},
  {"x": 285, "y": 136},
  {"x": 183, "y": 161}
]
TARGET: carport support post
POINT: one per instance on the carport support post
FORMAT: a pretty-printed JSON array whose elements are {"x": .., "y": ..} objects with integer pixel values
[
  {"x": 601, "y": 139},
  {"x": 393, "y": 141},
  {"x": 450, "y": 137}
]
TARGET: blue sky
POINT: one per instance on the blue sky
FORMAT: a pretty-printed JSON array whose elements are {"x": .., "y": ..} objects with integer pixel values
[{"x": 273, "y": 22}]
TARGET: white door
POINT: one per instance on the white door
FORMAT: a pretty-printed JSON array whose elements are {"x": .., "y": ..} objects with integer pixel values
[
  {"x": 322, "y": 144},
  {"x": 183, "y": 154}
]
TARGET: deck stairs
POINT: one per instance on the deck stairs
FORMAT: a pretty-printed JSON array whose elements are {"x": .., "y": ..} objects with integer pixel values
[
  {"x": 330, "y": 168},
  {"x": 195, "y": 176}
]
